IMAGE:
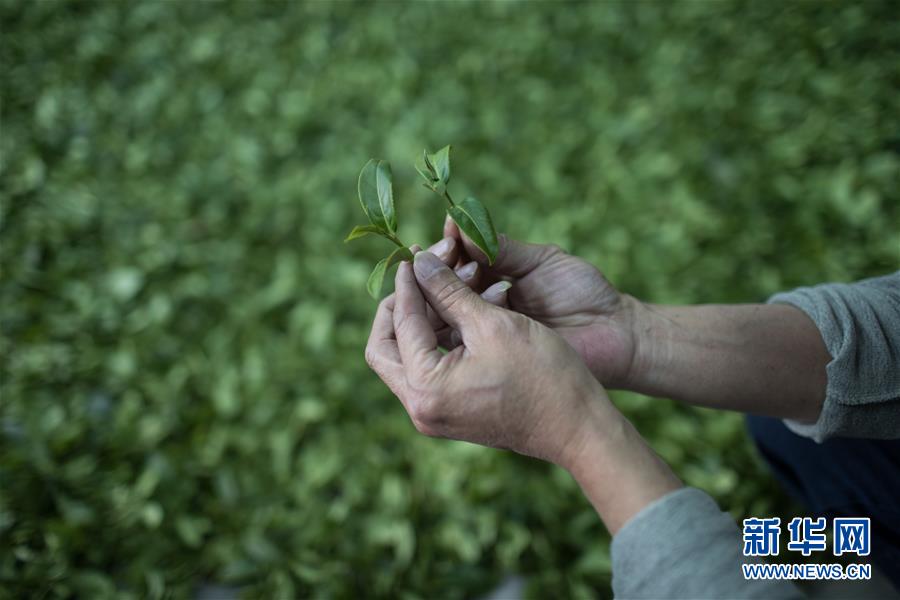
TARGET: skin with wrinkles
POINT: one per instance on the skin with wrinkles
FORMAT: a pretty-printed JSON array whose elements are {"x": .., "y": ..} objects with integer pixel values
[
  {"x": 587, "y": 311},
  {"x": 524, "y": 364},
  {"x": 756, "y": 358},
  {"x": 545, "y": 403},
  {"x": 533, "y": 405}
]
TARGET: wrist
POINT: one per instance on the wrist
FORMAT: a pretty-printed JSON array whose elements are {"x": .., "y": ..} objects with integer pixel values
[
  {"x": 616, "y": 469},
  {"x": 607, "y": 343},
  {"x": 597, "y": 425},
  {"x": 644, "y": 329}
]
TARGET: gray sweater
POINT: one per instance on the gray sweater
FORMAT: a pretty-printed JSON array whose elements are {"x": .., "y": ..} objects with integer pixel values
[{"x": 682, "y": 545}]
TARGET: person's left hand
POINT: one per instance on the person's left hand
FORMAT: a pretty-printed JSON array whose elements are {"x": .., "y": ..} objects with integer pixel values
[
  {"x": 449, "y": 251},
  {"x": 511, "y": 383},
  {"x": 563, "y": 292}
]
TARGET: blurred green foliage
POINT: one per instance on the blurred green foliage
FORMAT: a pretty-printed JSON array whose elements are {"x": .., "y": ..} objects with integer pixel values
[{"x": 184, "y": 396}]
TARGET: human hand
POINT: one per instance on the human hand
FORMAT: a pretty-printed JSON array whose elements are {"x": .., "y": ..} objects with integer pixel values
[
  {"x": 511, "y": 383},
  {"x": 565, "y": 293},
  {"x": 449, "y": 251}
]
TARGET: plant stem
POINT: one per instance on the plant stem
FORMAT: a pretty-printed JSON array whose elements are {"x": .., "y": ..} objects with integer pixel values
[
  {"x": 393, "y": 237},
  {"x": 447, "y": 196}
]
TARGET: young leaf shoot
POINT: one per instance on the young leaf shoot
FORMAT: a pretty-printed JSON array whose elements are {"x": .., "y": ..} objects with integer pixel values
[
  {"x": 470, "y": 215},
  {"x": 376, "y": 195}
]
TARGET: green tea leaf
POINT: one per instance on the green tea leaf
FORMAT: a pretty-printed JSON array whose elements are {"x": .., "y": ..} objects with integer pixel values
[
  {"x": 363, "y": 230},
  {"x": 440, "y": 162},
  {"x": 429, "y": 165},
  {"x": 426, "y": 169},
  {"x": 428, "y": 177},
  {"x": 376, "y": 279},
  {"x": 475, "y": 221},
  {"x": 376, "y": 194}
]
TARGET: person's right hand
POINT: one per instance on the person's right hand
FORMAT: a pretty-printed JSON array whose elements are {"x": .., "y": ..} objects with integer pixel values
[
  {"x": 565, "y": 293},
  {"x": 512, "y": 383}
]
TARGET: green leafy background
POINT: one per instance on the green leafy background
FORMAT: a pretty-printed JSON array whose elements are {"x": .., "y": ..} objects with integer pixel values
[{"x": 184, "y": 395}]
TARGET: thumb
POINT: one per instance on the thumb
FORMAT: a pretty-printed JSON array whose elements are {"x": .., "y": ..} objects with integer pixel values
[
  {"x": 514, "y": 258},
  {"x": 450, "y": 297}
]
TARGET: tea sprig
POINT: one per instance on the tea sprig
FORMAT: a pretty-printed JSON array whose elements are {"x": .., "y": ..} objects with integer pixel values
[{"x": 376, "y": 195}]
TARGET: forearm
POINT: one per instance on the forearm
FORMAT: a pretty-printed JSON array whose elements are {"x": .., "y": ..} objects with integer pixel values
[
  {"x": 668, "y": 541},
  {"x": 616, "y": 469},
  {"x": 754, "y": 358}
]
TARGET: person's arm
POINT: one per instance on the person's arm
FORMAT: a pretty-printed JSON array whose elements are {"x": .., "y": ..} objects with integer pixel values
[
  {"x": 668, "y": 541},
  {"x": 754, "y": 358},
  {"x": 616, "y": 469},
  {"x": 542, "y": 401},
  {"x": 827, "y": 358},
  {"x": 683, "y": 546},
  {"x": 539, "y": 400}
]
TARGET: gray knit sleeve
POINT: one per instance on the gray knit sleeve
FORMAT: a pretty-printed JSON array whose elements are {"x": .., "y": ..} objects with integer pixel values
[
  {"x": 860, "y": 324},
  {"x": 683, "y": 546}
]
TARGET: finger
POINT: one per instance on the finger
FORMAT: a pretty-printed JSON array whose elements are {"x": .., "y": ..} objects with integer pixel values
[
  {"x": 451, "y": 230},
  {"x": 445, "y": 340},
  {"x": 416, "y": 340},
  {"x": 497, "y": 294},
  {"x": 436, "y": 322},
  {"x": 470, "y": 274},
  {"x": 382, "y": 353},
  {"x": 463, "y": 259},
  {"x": 448, "y": 295},
  {"x": 383, "y": 323},
  {"x": 449, "y": 338},
  {"x": 514, "y": 258},
  {"x": 447, "y": 250}
]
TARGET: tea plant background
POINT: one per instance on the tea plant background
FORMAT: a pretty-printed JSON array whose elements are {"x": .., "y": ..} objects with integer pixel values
[{"x": 184, "y": 395}]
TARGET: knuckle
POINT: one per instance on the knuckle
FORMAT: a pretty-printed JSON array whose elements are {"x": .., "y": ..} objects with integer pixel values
[
  {"x": 371, "y": 357},
  {"x": 417, "y": 414},
  {"x": 455, "y": 296},
  {"x": 423, "y": 428},
  {"x": 553, "y": 250},
  {"x": 425, "y": 411},
  {"x": 421, "y": 425}
]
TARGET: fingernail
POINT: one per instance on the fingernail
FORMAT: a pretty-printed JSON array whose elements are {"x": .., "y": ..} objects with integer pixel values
[
  {"x": 442, "y": 247},
  {"x": 427, "y": 264},
  {"x": 496, "y": 291},
  {"x": 467, "y": 271}
]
